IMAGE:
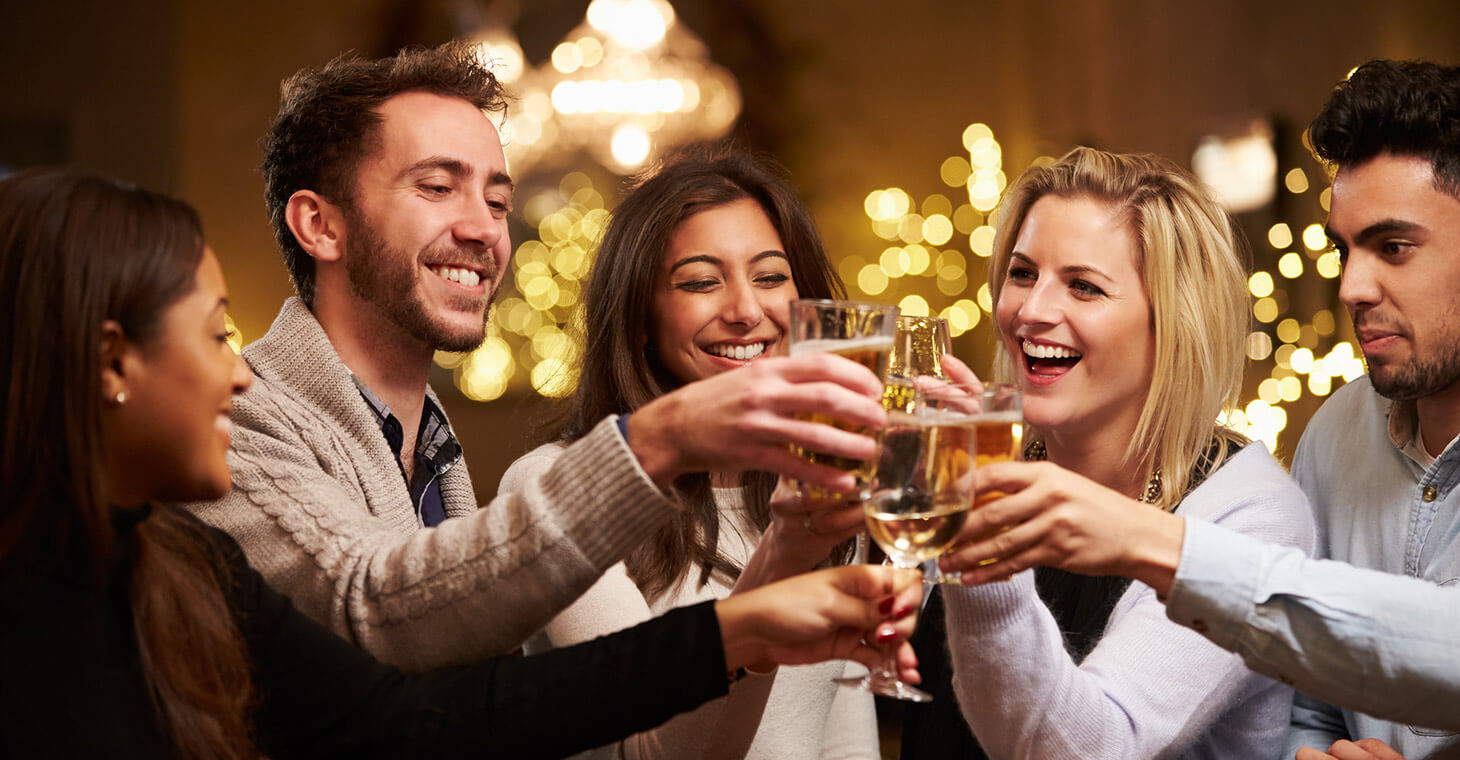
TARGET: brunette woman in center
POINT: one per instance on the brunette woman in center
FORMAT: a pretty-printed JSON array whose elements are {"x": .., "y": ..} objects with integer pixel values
[
  {"x": 694, "y": 277},
  {"x": 1121, "y": 304}
]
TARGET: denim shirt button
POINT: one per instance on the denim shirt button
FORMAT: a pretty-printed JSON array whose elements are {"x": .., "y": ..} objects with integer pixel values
[{"x": 1431, "y": 493}]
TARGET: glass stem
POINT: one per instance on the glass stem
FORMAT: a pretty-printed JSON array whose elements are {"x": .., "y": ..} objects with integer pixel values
[{"x": 889, "y": 651}]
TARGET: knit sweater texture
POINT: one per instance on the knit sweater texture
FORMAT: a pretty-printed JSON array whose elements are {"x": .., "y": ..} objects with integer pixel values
[{"x": 319, "y": 505}]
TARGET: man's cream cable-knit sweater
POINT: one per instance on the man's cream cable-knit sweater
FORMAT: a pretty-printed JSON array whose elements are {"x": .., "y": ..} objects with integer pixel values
[{"x": 321, "y": 509}]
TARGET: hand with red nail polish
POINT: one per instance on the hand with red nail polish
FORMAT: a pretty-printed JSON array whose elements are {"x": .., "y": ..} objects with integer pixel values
[{"x": 826, "y": 615}]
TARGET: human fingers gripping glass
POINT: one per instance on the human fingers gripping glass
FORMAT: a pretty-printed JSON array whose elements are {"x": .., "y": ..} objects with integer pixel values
[{"x": 862, "y": 332}]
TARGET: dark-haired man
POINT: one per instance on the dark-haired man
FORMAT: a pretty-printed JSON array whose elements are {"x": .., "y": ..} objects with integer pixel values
[
  {"x": 388, "y": 192},
  {"x": 1378, "y": 461},
  {"x": 1369, "y": 632}
]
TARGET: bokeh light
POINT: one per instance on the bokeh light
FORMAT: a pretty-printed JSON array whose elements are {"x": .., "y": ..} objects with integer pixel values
[
  {"x": 1296, "y": 181},
  {"x": 1279, "y": 236},
  {"x": 1290, "y": 265},
  {"x": 1314, "y": 238}
]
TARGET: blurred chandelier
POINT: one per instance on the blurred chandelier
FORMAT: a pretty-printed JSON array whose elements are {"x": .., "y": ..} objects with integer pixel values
[{"x": 623, "y": 86}]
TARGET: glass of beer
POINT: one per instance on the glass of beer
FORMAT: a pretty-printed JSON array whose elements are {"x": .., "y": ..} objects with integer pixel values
[
  {"x": 1000, "y": 428},
  {"x": 1000, "y": 438},
  {"x": 862, "y": 332},
  {"x": 922, "y": 493}
]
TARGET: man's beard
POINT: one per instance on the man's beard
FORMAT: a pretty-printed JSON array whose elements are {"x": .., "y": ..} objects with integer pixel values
[
  {"x": 1416, "y": 378},
  {"x": 386, "y": 277}
]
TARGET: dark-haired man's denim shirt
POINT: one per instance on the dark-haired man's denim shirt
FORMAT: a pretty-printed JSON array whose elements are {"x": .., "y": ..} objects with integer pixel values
[
  {"x": 436, "y": 452},
  {"x": 1385, "y": 642}
]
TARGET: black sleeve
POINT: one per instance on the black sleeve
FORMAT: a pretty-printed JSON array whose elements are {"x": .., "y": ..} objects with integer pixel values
[{"x": 320, "y": 696}]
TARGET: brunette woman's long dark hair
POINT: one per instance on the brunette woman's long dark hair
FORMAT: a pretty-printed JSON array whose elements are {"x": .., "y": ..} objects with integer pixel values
[
  {"x": 77, "y": 250},
  {"x": 619, "y": 374}
]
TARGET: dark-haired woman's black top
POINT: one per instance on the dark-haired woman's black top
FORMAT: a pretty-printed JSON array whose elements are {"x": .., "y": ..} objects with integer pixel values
[{"x": 71, "y": 684}]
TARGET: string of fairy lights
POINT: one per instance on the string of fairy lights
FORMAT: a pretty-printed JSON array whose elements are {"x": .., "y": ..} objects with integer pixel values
[{"x": 921, "y": 235}]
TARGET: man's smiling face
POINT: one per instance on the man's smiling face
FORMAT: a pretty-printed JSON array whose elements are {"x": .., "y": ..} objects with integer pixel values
[{"x": 427, "y": 238}]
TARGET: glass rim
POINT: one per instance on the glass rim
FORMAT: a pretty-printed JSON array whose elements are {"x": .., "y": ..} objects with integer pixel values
[
  {"x": 933, "y": 318},
  {"x": 844, "y": 304}
]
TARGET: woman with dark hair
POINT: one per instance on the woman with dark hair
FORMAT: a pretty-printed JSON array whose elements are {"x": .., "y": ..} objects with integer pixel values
[
  {"x": 694, "y": 277},
  {"x": 129, "y": 629}
]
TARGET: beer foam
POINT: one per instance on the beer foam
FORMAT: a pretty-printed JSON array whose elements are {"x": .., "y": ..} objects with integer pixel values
[
  {"x": 952, "y": 417},
  {"x": 924, "y": 418},
  {"x": 841, "y": 345},
  {"x": 1009, "y": 416}
]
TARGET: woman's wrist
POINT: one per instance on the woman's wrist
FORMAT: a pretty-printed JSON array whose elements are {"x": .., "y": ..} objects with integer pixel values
[
  {"x": 770, "y": 562},
  {"x": 737, "y": 627}
]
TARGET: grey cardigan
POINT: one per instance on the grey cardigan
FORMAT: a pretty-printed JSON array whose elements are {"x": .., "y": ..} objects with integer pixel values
[{"x": 319, "y": 506}]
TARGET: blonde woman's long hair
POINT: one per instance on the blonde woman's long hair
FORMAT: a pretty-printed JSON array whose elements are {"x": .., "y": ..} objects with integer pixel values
[{"x": 1193, "y": 263}]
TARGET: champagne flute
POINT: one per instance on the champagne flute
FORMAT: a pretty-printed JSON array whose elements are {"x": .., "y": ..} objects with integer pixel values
[
  {"x": 917, "y": 362},
  {"x": 923, "y": 491},
  {"x": 862, "y": 332},
  {"x": 919, "y": 346}
]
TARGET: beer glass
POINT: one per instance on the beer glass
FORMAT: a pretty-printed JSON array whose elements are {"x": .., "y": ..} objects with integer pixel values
[
  {"x": 862, "y": 332},
  {"x": 1000, "y": 428},
  {"x": 921, "y": 497},
  {"x": 1000, "y": 439}
]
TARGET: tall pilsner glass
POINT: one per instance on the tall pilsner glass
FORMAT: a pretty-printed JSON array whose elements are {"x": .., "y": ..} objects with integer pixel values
[
  {"x": 862, "y": 332},
  {"x": 1000, "y": 428},
  {"x": 923, "y": 491},
  {"x": 1000, "y": 437}
]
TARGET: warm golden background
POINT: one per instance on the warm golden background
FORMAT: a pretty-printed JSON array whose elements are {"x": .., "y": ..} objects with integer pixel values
[{"x": 853, "y": 96}]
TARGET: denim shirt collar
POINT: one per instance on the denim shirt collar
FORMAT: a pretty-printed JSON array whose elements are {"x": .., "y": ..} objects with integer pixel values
[{"x": 1404, "y": 432}]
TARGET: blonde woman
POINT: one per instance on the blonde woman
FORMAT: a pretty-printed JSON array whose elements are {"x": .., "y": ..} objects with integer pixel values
[{"x": 1122, "y": 313}]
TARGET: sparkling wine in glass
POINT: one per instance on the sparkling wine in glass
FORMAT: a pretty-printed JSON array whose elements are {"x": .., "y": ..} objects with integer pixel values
[
  {"x": 918, "y": 347},
  {"x": 922, "y": 494}
]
